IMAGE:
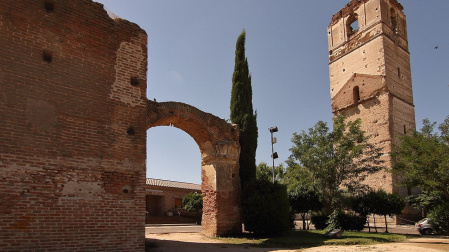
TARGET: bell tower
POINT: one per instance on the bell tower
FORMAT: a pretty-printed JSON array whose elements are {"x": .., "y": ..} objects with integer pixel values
[{"x": 369, "y": 69}]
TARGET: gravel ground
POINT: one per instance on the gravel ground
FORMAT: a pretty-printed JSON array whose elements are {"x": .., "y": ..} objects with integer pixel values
[{"x": 198, "y": 243}]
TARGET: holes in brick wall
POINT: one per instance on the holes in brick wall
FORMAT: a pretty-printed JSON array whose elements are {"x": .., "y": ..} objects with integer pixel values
[
  {"x": 47, "y": 56},
  {"x": 125, "y": 190},
  {"x": 131, "y": 131},
  {"x": 134, "y": 81},
  {"x": 49, "y": 6},
  {"x": 405, "y": 129}
]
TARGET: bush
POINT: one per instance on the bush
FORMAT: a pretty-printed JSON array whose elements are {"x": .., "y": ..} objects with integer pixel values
[
  {"x": 319, "y": 220},
  {"x": 351, "y": 222},
  {"x": 439, "y": 219},
  {"x": 347, "y": 222},
  {"x": 266, "y": 210}
]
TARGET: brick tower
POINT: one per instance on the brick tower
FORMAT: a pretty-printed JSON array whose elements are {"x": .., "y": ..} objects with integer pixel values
[{"x": 369, "y": 67}]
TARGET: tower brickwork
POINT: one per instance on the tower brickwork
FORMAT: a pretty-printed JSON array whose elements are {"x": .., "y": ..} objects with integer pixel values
[{"x": 370, "y": 77}]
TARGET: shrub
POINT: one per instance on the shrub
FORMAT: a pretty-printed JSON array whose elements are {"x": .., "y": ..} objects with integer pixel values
[
  {"x": 351, "y": 222},
  {"x": 319, "y": 220},
  {"x": 266, "y": 210},
  {"x": 439, "y": 219},
  {"x": 347, "y": 222}
]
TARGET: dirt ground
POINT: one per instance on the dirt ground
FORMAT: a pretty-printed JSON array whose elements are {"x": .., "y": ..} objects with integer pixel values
[{"x": 197, "y": 242}]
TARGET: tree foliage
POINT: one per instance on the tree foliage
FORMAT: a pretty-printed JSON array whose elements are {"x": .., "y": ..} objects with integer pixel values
[
  {"x": 193, "y": 202},
  {"x": 297, "y": 176},
  {"x": 304, "y": 200},
  {"x": 422, "y": 159},
  {"x": 266, "y": 208},
  {"x": 338, "y": 161},
  {"x": 439, "y": 218},
  {"x": 265, "y": 172},
  {"x": 242, "y": 112},
  {"x": 378, "y": 203}
]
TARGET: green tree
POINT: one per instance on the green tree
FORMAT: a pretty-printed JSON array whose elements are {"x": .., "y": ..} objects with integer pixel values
[
  {"x": 297, "y": 176},
  {"x": 388, "y": 204},
  {"x": 265, "y": 208},
  {"x": 339, "y": 161},
  {"x": 242, "y": 112},
  {"x": 265, "y": 172},
  {"x": 193, "y": 202},
  {"x": 366, "y": 204},
  {"x": 422, "y": 159},
  {"x": 439, "y": 218},
  {"x": 303, "y": 200}
]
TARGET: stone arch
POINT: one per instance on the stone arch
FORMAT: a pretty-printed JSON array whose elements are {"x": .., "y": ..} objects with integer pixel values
[{"x": 218, "y": 142}]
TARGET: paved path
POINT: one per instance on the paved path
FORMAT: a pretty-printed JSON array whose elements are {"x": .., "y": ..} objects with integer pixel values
[{"x": 172, "y": 228}]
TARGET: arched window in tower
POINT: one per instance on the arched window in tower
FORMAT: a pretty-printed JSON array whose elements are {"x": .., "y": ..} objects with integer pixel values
[
  {"x": 356, "y": 94},
  {"x": 394, "y": 22},
  {"x": 352, "y": 24}
]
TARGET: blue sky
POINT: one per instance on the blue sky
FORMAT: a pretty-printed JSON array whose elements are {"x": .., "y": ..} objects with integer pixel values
[{"x": 191, "y": 46}]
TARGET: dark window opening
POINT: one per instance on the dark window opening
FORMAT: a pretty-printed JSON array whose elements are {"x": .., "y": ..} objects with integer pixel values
[
  {"x": 394, "y": 22},
  {"x": 131, "y": 131},
  {"x": 134, "y": 81},
  {"x": 399, "y": 72},
  {"x": 47, "y": 56},
  {"x": 356, "y": 94},
  {"x": 49, "y": 6},
  {"x": 405, "y": 129}
]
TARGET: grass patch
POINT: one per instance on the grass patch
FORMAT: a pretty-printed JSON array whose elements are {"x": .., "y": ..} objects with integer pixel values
[{"x": 313, "y": 238}]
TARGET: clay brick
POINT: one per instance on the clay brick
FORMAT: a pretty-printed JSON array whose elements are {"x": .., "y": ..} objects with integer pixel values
[
  {"x": 370, "y": 77},
  {"x": 63, "y": 124}
]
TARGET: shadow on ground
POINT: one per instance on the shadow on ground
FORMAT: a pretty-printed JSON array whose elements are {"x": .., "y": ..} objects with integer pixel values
[{"x": 154, "y": 245}]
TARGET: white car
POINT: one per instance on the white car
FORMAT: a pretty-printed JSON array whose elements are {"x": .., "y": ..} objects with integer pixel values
[{"x": 423, "y": 226}]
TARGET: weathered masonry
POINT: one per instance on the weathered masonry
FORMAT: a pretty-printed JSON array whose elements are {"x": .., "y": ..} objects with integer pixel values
[
  {"x": 73, "y": 121},
  {"x": 220, "y": 151},
  {"x": 369, "y": 66}
]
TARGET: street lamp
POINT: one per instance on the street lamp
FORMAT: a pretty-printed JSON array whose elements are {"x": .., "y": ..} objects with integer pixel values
[{"x": 274, "y": 155}]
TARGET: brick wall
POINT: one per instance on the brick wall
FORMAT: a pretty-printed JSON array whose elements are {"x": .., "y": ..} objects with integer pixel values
[
  {"x": 169, "y": 195},
  {"x": 72, "y": 128},
  {"x": 370, "y": 78},
  {"x": 220, "y": 152}
]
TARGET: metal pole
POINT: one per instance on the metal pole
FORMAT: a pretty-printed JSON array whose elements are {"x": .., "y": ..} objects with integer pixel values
[{"x": 272, "y": 153}]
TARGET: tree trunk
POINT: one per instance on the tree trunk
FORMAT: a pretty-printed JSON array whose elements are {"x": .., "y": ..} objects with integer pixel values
[
  {"x": 386, "y": 225},
  {"x": 374, "y": 218},
  {"x": 308, "y": 222},
  {"x": 303, "y": 216},
  {"x": 367, "y": 221}
]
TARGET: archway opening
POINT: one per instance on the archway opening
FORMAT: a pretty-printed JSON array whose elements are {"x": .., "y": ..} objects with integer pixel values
[
  {"x": 218, "y": 142},
  {"x": 173, "y": 170}
]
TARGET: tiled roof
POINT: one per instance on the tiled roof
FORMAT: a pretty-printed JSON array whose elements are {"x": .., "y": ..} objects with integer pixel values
[{"x": 172, "y": 184}]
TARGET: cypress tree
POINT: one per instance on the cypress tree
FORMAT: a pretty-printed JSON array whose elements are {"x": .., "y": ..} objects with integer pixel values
[{"x": 242, "y": 112}]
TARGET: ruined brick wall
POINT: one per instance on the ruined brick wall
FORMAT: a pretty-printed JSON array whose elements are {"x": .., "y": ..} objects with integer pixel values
[
  {"x": 220, "y": 151},
  {"x": 72, "y": 128},
  {"x": 370, "y": 75}
]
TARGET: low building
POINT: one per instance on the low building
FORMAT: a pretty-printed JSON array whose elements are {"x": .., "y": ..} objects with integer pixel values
[{"x": 164, "y": 201}]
